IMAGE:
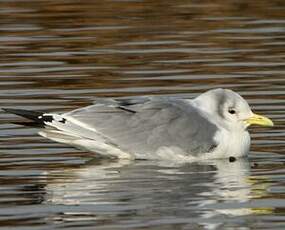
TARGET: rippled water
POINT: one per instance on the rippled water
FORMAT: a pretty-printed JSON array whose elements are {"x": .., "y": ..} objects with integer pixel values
[{"x": 59, "y": 55}]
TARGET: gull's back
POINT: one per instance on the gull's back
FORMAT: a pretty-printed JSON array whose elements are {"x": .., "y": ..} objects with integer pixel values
[{"x": 139, "y": 127}]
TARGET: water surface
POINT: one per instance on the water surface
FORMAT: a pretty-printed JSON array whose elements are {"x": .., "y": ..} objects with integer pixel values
[{"x": 59, "y": 55}]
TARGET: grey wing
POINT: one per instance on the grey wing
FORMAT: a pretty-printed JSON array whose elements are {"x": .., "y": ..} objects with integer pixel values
[{"x": 143, "y": 126}]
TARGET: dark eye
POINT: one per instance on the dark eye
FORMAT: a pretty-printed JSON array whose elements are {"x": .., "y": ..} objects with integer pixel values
[{"x": 232, "y": 111}]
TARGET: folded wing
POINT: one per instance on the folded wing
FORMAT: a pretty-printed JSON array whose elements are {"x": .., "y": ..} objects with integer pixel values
[{"x": 141, "y": 127}]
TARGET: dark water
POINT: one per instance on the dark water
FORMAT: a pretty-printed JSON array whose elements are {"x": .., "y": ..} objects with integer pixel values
[{"x": 59, "y": 55}]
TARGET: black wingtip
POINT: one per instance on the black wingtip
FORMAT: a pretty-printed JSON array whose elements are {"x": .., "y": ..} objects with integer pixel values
[
  {"x": 31, "y": 115},
  {"x": 30, "y": 124}
]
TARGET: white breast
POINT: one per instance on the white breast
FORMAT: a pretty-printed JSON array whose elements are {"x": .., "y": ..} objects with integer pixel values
[{"x": 234, "y": 144}]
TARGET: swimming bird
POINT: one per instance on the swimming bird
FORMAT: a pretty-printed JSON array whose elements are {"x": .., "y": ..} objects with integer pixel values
[{"x": 212, "y": 125}]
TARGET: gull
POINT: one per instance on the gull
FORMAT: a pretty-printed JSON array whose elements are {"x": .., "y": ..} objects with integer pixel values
[{"x": 212, "y": 125}]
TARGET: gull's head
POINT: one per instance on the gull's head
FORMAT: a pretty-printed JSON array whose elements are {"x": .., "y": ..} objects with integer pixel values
[{"x": 230, "y": 108}]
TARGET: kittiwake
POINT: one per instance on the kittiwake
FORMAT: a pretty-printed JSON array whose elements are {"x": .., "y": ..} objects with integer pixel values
[{"x": 212, "y": 125}]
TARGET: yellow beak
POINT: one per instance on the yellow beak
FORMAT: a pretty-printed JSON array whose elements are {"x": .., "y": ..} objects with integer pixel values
[{"x": 259, "y": 120}]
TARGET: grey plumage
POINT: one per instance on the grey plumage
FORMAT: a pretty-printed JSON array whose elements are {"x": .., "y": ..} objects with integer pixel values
[
  {"x": 213, "y": 125},
  {"x": 145, "y": 125}
]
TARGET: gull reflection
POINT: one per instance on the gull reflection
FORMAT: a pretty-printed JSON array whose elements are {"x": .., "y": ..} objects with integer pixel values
[
  {"x": 201, "y": 191},
  {"x": 78, "y": 184},
  {"x": 230, "y": 190}
]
